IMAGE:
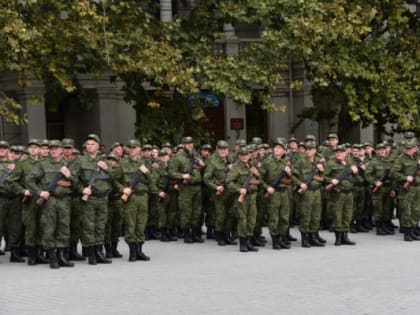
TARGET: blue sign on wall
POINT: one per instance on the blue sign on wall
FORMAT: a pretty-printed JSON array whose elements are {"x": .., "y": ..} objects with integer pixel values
[{"x": 207, "y": 99}]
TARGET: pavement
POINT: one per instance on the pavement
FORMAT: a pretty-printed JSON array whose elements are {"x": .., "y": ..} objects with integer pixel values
[{"x": 380, "y": 275}]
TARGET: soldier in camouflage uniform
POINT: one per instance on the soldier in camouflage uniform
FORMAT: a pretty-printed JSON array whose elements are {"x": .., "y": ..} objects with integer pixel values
[
  {"x": 6, "y": 167},
  {"x": 308, "y": 172},
  {"x": 339, "y": 180},
  {"x": 276, "y": 180},
  {"x": 242, "y": 181},
  {"x": 115, "y": 205},
  {"x": 406, "y": 173},
  {"x": 49, "y": 180},
  {"x": 378, "y": 177},
  {"x": 136, "y": 181},
  {"x": 185, "y": 168},
  {"x": 95, "y": 176},
  {"x": 167, "y": 204},
  {"x": 30, "y": 211}
]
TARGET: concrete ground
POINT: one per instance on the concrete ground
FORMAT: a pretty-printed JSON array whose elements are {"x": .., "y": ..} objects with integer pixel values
[{"x": 380, "y": 275}]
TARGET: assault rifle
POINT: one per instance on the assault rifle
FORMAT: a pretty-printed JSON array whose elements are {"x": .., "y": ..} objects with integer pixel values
[
  {"x": 248, "y": 181},
  {"x": 414, "y": 173},
  {"x": 194, "y": 163},
  {"x": 5, "y": 176},
  {"x": 95, "y": 176},
  {"x": 343, "y": 175},
  {"x": 137, "y": 178},
  {"x": 220, "y": 193},
  {"x": 382, "y": 179}
]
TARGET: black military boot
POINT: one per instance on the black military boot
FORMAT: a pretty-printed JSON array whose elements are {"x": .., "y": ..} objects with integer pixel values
[
  {"x": 173, "y": 235},
  {"x": 133, "y": 252},
  {"x": 275, "y": 239},
  {"x": 319, "y": 238},
  {"x": 230, "y": 239},
  {"x": 53, "y": 258},
  {"x": 283, "y": 242},
  {"x": 15, "y": 255},
  {"x": 345, "y": 239},
  {"x": 361, "y": 227},
  {"x": 257, "y": 242},
  {"x": 380, "y": 228},
  {"x": 188, "y": 236},
  {"x": 74, "y": 255},
  {"x": 31, "y": 256},
  {"x": 62, "y": 260},
  {"x": 353, "y": 227},
  {"x": 164, "y": 236},
  {"x": 100, "y": 258},
  {"x": 290, "y": 237},
  {"x": 108, "y": 250},
  {"x": 338, "y": 238},
  {"x": 220, "y": 238},
  {"x": 242, "y": 245},
  {"x": 210, "y": 233},
  {"x": 85, "y": 251},
  {"x": 414, "y": 236},
  {"x": 114, "y": 249},
  {"x": 249, "y": 245},
  {"x": 39, "y": 254},
  {"x": 408, "y": 237},
  {"x": 90, "y": 252},
  {"x": 140, "y": 254},
  {"x": 197, "y": 235},
  {"x": 313, "y": 240},
  {"x": 261, "y": 238},
  {"x": 305, "y": 240}
]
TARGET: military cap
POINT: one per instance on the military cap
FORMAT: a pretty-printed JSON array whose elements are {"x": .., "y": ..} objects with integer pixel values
[
  {"x": 347, "y": 145},
  {"x": 332, "y": 135},
  {"x": 222, "y": 144},
  {"x": 76, "y": 152},
  {"x": 292, "y": 139},
  {"x": 133, "y": 143},
  {"x": 147, "y": 147},
  {"x": 166, "y": 145},
  {"x": 4, "y": 144},
  {"x": 112, "y": 156},
  {"x": 356, "y": 146},
  {"x": 310, "y": 137},
  {"x": 409, "y": 135},
  {"x": 256, "y": 140},
  {"x": 340, "y": 147},
  {"x": 14, "y": 148},
  {"x": 33, "y": 141},
  {"x": 380, "y": 146},
  {"x": 243, "y": 151},
  {"x": 179, "y": 147},
  {"x": 367, "y": 144},
  {"x": 206, "y": 147},
  {"x": 55, "y": 143},
  {"x": 279, "y": 141},
  {"x": 187, "y": 140},
  {"x": 240, "y": 142},
  {"x": 326, "y": 143},
  {"x": 44, "y": 143},
  {"x": 310, "y": 145},
  {"x": 265, "y": 145},
  {"x": 21, "y": 149},
  {"x": 67, "y": 143},
  {"x": 252, "y": 147},
  {"x": 302, "y": 144},
  {"x": 162, "y": 152},
  {"x": 116, "y": 145},
  {"x": 94, "y": 137},
  {"x": 410, "y": 144}
]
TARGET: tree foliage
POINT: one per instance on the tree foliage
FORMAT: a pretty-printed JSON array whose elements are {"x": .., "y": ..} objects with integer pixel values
[{"x": 362, "y": 51}]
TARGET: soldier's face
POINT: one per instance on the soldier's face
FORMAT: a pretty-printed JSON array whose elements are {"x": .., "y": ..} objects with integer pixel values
[
  {"x": 91, "y": 146},
  {"x": 381, "y": 152},
  {"x": 341, "y": 155},
  {"x": 44, "y": 151},
  {"x": 118, "y": 151},
  {"x": 293, "y": 145},
  {"x": 310, "y": 152},
  {"x": 244, "y": 157},
  {"x": 68, "y": 152},
  {"x": 134, "y": 151},
  {"x": 33, "y": 150},
  {"x": 223, "y": 152},
  {"x": 189, "y": 146},
  {"x": 4, "y": 152},
  {"x": 333, "y": 142},
  {"x": 56, "y": 152},
  {"x": 278, "y": 151}
]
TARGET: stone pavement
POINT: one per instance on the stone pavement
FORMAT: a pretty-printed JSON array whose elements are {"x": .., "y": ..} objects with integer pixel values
[{"x": 380, "y": 275}]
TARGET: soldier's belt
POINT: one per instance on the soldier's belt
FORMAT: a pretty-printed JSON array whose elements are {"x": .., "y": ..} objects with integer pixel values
[
  {"x": 281, "y": 188},
  {"x": 63, "y": 183},
  {"x": 254, "y": 182}
]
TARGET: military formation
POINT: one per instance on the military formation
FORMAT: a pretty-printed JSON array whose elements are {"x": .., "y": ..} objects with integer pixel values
[{"x": 54, "y": 197}]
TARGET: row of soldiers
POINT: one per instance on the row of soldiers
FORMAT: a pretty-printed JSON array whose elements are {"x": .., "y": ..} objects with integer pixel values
[{"x": 62, "y": 197}]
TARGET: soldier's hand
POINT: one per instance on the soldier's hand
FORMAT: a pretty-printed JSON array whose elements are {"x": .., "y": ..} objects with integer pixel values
[
  {"x": 378, "y": 183},
  {"x": 335, "y": 182},
  {"x": 354, "y": 169},
  {"x": 65, "y": 171},
  {"x": 87, "y": 191},
  {"x": 176, "y": 187},
  {"x": 288, "y": 170},
  {"x": 127, "y": 191},
  {"x": 242, "y": 191},
  {"x": 102, "y": 165},
  {"x": 143, "y": 168},
  {"x": 392, "y": 194},
  {"x": 410, "y": 179},
  {"x": 320, "y": 167},
  {"x": 303, "y": 187},
  {"x": 254, "y": 171},
  {"x": 220, "y": 188},
  {"x": 27, "y": 193},
  {"x": 186, "y": 176},
  {"x": 11, "y": 166},
  {"x": 44, "y": 195},
  {"x": 162, "y": 194},
  {"x": 270, "y": 190}
]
